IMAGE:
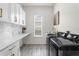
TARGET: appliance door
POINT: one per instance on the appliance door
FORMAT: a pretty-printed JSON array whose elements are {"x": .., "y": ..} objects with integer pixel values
[{"x": 53, "y": 49}]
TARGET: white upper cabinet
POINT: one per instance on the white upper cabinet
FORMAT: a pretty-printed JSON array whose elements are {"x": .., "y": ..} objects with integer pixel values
[
  {"x": 22, "y": 16},
  {"x": 13, "y": 13},
  {"x": 17, "y": 14}
]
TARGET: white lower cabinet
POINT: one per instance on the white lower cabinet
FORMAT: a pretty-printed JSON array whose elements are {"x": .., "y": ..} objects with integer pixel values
[
  {"x": 13, "y": 50},
  {"x": 5, "y": 52}
]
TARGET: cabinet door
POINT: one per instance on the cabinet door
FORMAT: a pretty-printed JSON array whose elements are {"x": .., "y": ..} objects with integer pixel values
[
  {"x": 21, "y": 15},
  {"x": 5, "y": 52},
  {"x": 18, "y": 13},
  {"x": 17, "y": 49},
  {"x": 13, "y": 13},
  {"x": 23, "y": 18},
  {"x": 13, "y": 50}
]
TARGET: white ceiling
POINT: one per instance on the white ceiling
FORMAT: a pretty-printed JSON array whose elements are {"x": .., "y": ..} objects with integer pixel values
[{"x": 37, "y": 4}]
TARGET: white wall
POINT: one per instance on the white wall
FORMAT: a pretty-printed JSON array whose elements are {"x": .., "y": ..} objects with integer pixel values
[
  {"x": 47, "y": 13},
  {"x": 5, "y": 11},
  {"x": 69, "y": 16}
]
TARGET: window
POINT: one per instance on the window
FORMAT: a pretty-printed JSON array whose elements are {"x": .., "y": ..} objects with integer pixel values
[{"x": 38, "y": 26}]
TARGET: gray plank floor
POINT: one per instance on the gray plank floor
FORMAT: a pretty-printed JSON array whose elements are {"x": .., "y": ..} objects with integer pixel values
[{"x": 34, "y": 50}]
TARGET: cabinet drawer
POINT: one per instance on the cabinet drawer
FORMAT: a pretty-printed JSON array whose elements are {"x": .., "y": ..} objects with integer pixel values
[
  {"x": 12, "y": 50},
  {"x": 7, "y": 51},
  {"x": 4, "y": 52}
]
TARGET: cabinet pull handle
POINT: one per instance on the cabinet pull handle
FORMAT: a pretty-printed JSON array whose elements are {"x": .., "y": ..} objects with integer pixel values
[{"x": 12, "y": 48}]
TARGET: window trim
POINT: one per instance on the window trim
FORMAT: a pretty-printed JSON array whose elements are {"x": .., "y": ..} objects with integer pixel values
[{"x": 35, "y": 16}]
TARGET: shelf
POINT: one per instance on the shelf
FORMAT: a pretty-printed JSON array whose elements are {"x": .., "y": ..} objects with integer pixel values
[
  {"x": 8, "y": 22},
  {"x": 37, "y": 26},
  {"x": 37, "y": 21},
  {"x": 37, "y": 35}
]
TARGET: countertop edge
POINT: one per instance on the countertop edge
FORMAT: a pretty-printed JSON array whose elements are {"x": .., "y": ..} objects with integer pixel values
[{"x": 23, "y": 35}]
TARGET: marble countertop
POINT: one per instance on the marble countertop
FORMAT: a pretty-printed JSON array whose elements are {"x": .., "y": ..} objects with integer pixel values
[{"x": 6, "y": 40}]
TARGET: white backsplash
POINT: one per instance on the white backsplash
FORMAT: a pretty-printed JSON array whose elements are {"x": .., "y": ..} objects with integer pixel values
[{"x": 9, "y": 29}]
